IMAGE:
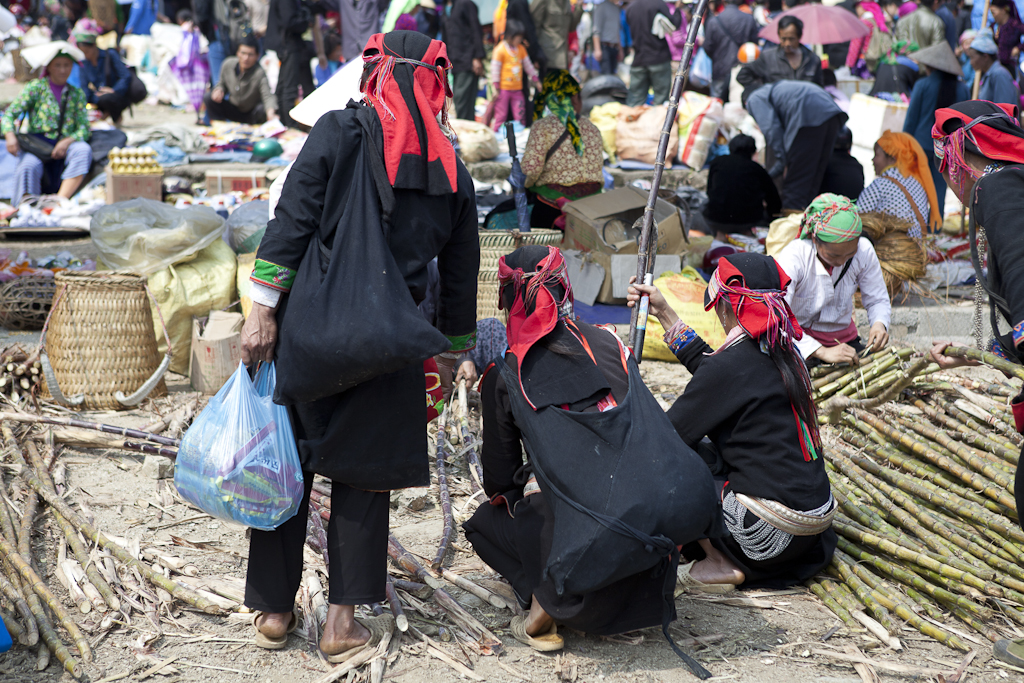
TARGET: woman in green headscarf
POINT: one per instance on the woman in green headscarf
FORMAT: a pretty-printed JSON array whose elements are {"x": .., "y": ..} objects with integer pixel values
[
  {"x": 563, "y": 157},
  {"x": 829, "y": 262}
]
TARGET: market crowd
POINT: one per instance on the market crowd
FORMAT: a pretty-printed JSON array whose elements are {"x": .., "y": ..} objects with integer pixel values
[{"x": 739, "y": 475}]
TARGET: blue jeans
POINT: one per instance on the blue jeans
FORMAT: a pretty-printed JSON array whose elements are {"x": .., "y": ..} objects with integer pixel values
[{"x": 220, "y": 50}]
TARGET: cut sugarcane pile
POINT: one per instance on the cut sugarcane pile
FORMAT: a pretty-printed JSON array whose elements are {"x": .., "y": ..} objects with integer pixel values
[
  {"x": 928, "y": 527},
  {"x": 19, "y": 373}
]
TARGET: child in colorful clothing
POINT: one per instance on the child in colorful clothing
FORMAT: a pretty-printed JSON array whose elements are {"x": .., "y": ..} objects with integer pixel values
[{"x": 508, "y": 62}]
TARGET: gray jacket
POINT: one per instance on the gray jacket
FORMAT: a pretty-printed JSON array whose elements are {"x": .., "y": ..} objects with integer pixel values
[{"x": 721, "y": 34}]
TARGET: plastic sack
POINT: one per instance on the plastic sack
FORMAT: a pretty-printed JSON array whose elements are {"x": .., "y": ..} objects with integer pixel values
[
  {"x": 700, "y": 69},
  {"x": 781, "y": 232},
  {"x": 143, "y": 236},
  {"x": 685, "y": 294},
  {"x": 699, "y": 119},
  {"x": 238, "y": 460},
  {"x": 606, "y": 118},
  {"x": 476, "y": 141},
  {"x": 638, "y": 131},
  {"x": 246, "y": 225}
]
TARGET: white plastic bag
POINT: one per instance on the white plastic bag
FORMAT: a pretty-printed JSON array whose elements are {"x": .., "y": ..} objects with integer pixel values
[
  {"x": 144, "y": 236},
  {"x": 238, "y": 460}
]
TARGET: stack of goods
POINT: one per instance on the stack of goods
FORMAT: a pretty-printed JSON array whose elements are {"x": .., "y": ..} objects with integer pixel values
[
  {"x": 134, "y": 161},
  {"x": 903, "y": 258},
  {"x": 19, "y": 372},
  {"x": 928, "y": 526}
]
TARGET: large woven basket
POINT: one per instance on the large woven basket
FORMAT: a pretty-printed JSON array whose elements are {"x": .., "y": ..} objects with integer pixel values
[
  {"x": 100, "y": 348},
  {"x": 493, "y": 245}
]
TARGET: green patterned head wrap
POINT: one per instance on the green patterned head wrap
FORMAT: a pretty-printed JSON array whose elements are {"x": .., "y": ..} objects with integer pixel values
[
  {"x": 901, "y": 48},
  {"x": 556, "y": 94},
  {"x": 831, "y": 218}
]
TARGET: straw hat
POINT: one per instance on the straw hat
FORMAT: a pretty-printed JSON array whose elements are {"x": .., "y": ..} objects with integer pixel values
[{"x": 938, "y": 56}]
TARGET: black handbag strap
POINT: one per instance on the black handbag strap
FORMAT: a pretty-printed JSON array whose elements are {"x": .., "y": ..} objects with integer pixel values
[
  {"x": 846, "y": 267},
  {"x": 380, "y": 176}
]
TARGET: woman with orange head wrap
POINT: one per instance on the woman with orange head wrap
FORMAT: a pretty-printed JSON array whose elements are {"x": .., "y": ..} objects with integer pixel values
[{"x": 904, "y": 186}]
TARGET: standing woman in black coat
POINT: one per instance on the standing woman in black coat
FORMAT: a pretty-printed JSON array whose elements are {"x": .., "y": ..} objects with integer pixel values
[
  {"x": 371, "y": 438},
  {"x": 980, "y": 150}
]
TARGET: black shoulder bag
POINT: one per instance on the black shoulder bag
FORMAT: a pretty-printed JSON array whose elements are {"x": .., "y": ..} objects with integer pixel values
[{"x": 37, "y": 146}]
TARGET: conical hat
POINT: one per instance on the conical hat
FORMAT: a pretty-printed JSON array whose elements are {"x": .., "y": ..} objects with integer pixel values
[{"x": 939, "y": 56}]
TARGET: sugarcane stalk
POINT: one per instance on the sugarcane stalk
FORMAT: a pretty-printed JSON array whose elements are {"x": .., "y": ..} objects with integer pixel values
[
  {"x": 15, "y": 628},
  {"x": 848, "y": 383},
  {"x": 43, "y": 592},
  {"x": 975, "y": 438},
  {"x": 648, "y": 243},
  {"x": 148, "y": 449},
  {"x": 315, "y": 530},
  {"x": 401, "y": 621},
  {"x": 982, "y": 465},
  {"x": 444, "y": 498},
  {"x": 875, "y": 394},
  {"x": 13, "y": 594},
  {"x": 870, "y": 521},
  {"x": 407, "y": 562},
  {"x": 972, "y": 423},
  {"x": 70, "y": 533},
  {"x": 911, "y": 579},
  {"x": 832, "y": 604},
  {"x": 477, "y": 631},
  {"x": 891, "y": 601},
  {"x": 470, "y": 587},
  {"x": 987, "y": 358},
  {"x": 973, "y": 479},
  {"x": 420, "y": 590},
  {"x": 993, "y": 388},
  {"x": 988, "y": 417},
  {"x": 476, "y": 469},
  {"x": 866, "y": 595},
  {"x": 95, "y": 426}
]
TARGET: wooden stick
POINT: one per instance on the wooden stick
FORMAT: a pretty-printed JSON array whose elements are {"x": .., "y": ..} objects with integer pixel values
[
  {"x": 95, "y": 426},
  {"x": 405, "y": 560}
]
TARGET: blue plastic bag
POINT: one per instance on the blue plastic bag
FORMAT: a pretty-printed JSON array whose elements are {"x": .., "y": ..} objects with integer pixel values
[
  {"x": 238, "y": 460},
  {"x": 700, "y": 68}
]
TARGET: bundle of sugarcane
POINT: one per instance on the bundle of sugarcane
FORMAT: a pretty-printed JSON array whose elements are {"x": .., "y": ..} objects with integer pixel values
[
  {"x": 99, "y": 573},
  {"x": 927, "y": 522},
  {"x": 902, "y": 257},
  {"x": 19, "y": 372}
]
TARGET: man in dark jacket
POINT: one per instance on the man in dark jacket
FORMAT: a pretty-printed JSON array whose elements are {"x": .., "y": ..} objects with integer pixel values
[
  {"x": 652, "y": 61},
  {"x": 788, "y": 61},
  {"x": 844, "y": 174},
  {"x": 287, "y": 21},
  {"x": 104, "y": 77},
  {"x": 461, "y": 31},
  {"x": 723, "y": 36}
]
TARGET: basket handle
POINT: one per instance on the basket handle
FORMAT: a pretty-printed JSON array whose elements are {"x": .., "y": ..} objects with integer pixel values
[
  {"x": 136, "y": 397},
  {"x": 44, "y": 360}
]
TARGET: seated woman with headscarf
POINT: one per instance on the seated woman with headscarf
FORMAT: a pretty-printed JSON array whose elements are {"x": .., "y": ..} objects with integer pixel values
[
  {"x": 980, "y": 147},
  {"x": 56, "y": 119},
  {"x": 749, "y": 413},
  {"x": 828, "y": 264},
  {"x": 563, "y": 158},
  {"x": 903, "y": 187},
  {"x": 570, "y": 393}
]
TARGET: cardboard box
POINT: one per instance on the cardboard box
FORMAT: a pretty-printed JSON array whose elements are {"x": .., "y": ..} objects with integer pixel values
[
  {"x": 585, "y": 229},
  {"x": 216, "y": 350},
  {"x": 624, "y": 267},
  {"x": 121, "y": 188},
  {"x": 221, "y": 182}
]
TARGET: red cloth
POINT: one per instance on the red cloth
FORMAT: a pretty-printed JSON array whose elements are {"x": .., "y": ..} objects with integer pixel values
[
  {"x": 435, "y": 399},
  {"x": 1017, "y": 406},
  {"x": 410, "y": 60},
  {"x": 831, "y": 338}
]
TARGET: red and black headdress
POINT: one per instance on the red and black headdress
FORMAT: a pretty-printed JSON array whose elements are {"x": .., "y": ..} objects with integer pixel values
[
  {"x": 406, "y": 81},
  {"x": 755, "y": 286}
]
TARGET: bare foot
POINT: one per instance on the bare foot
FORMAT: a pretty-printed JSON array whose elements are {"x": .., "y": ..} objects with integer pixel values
[
  {"x": 538, "y": 622},
  {"x": 274, "y": 625},
  {"x": 716, "y": 567},
  {"x": 342, "y": 632}
]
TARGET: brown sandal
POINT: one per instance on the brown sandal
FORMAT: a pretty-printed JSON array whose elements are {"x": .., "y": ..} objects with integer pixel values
[
  {"x": 268, "y": 643},
  {"x": 378, "y": 627}
]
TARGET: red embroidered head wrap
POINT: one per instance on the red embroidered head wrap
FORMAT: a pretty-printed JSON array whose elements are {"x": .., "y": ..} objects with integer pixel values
[
  {"x": 405, "y": 79},
  {"x": 984, "y": 128},
  {"x": 529, "y": 280},
  {"x": 755, "y": 287}
]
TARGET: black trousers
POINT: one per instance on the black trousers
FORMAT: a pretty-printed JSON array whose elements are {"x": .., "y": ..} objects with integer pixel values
[
  {"x": 113, "y": 104},
  {"x": 464, "y": 88},
  {"x": 294, "y": 74},
  {"x": 806, "y": 160},
  {"x": 226, "y": 111},
  {"x": 357, "y": 539}
]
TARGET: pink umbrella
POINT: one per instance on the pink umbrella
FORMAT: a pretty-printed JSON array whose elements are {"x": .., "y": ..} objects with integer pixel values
[{"x": 822, "y": 25}]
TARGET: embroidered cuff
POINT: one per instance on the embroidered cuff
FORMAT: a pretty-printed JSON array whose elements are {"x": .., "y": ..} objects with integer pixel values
[
  {"x": 678, "y": 336},
  {"x": 463, "y": 342},
  {"x": 272, "y": 275},
  {"x": 262, "y": 294},
  {"x": 996, "y": 349},
  {"x": 1018, "y": 333}
]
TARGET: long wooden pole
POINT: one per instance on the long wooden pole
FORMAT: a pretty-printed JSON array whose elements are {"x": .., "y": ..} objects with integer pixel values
[{"x": 648, "y": 247}]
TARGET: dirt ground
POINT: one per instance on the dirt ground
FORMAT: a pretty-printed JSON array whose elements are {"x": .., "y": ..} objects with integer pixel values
[{"x": 777, "y": 638}]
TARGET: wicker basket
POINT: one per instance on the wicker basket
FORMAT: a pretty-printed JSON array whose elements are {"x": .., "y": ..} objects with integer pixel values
[
  {"x": 25, "y": 302},
  {"x": 493, "y": 245},
  {"x": 100, "y": 348}
]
